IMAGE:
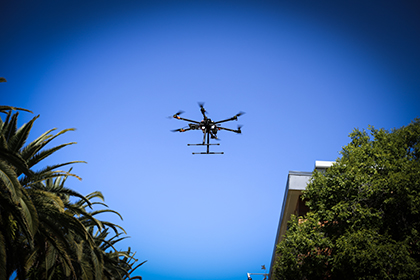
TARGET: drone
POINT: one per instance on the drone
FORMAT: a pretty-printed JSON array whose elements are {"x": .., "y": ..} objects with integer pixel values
[{"x": 208, "y": 127}]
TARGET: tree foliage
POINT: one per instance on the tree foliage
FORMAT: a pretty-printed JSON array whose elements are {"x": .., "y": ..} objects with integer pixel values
[
  {"x": 364, "y": 219},
  {"x": 43, "y": 235}
]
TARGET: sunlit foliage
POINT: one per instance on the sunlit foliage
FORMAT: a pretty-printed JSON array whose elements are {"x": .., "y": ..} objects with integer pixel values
[{"x": 365, "y": 213}]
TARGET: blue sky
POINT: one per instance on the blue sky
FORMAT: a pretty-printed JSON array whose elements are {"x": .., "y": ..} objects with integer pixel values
[{"x": 305, "y": 72}]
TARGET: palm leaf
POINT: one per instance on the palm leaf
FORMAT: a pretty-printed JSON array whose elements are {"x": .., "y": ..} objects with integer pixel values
[
  {"x": 10, "y": 126},
  {"x": 49, "y": 173},
  {"x": 96, "y": 194},
  {"x": 38, "y": 144},
  {"x": 44, "y": 154},
  {"x": 110, "y": 244},
  {"x": 32, "y": 148},
  {"x": 40, "y": 177},
  {"x": 9, "y": 108},
  {"x": 30, "y": 211},
  {"x": 9, "y": 181},
  {"x": 18, "y": 140},
  {"x": 15, "y": 200},
  {"x": 15, "y": 160},
  {"x": 3, "y": 142},
  {"x": 106, "y": 211},
  {"x": 59, "y": 242}
]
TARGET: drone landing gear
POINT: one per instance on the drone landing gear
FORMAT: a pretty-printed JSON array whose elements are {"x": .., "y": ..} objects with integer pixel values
[
  {"x": 203, "y": 144},
  {"x": 208, "y": 146},
  {"x": 209, "y": 153}
]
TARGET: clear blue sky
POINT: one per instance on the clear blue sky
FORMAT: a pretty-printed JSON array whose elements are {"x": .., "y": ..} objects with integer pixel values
[{"x": 305, "y": 72}]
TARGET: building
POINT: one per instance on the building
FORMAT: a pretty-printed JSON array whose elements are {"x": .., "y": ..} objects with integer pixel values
[{"x": 292, "y": 202}]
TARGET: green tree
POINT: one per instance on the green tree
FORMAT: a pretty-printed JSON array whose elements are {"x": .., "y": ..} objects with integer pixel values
[
  {"x": 89, "y": 250},
  {"x": 364, "y": 218},
  {"x": 26, "y": 211},
  {"x": 42, "y": 234}
]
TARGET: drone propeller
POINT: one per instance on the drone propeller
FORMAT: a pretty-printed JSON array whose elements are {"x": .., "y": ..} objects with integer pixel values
[
  {"x": 239, "y": 129},
  {"x": 180, "y": 129},
  {"x": 201, "y": 104},
  {"x": 176, "y": 114},
  {"x": 239, "y": 114}
]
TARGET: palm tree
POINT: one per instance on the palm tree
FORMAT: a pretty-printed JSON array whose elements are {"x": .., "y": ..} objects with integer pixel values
[
  {"x": 94, "y": 256},
  {"x": 116, "y": 264},
  {"x": 17, "y": 212},
  {"x": 57, "y": 238},
  {"x": 42, "y": 234},
  {"x": 30, "y": 214}
]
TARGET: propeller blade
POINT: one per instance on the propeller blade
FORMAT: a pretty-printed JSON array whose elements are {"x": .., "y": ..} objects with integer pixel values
[
  {"x": 179, "y": 129},
  {"x": 176, "y": 114},
  {"x": 239, "y": 128},
  {"x": 201, "y": 104},
  {"x": 240, "y": 114}
]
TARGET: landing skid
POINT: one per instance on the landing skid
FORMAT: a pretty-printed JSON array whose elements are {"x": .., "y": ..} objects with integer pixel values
[
  {"x": 203, "y": 144},
  {"x": 208, "y": 152}
]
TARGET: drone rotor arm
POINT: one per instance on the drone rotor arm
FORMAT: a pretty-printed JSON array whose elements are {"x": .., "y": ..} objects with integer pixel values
[
  {"x": 228, "y": 129},
  {"x": 234, "y": 118},
  {"x": 181, "y": 129},
  {"x": 183, "y": 119},
  {"x": 227, "y": 120}
]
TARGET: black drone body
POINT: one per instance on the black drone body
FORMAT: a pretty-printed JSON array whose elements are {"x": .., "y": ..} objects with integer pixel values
[{"x": 208, "y": 127}]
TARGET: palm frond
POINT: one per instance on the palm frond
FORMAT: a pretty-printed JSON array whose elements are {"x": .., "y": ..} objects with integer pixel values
[
  {"x": 60, "y": 244},
  {"x": 50, "y": 258},
  {"x": 3, "y": 142},
  {"x": 38, "y": 144},
  {"x": 44, "y": 154},
  {"x": 10, "y": 126},
  {"x": 32, "y": 148},
  {"x": 15, "y": 200},
  {"x": 28, "y": 208},
  {"x": 9, "y": 182},
  {"x": 114, "y": 227},
  {"x": 71, "y": 192},
  {"x": 95, "y": 194},
  {"x": 88, "y": 220},
  {"x": 40, "y": 177},
  {"x": 15, "y": 160},
  {"x": 93, "y": 213},
  {"x": 110, "y": 244},
  {"x": 4, "y": 109},
  {"x": 18, "y": 140}
]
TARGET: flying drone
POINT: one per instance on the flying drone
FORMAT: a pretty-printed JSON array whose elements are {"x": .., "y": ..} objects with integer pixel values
[{"x": 208, "y": 127}]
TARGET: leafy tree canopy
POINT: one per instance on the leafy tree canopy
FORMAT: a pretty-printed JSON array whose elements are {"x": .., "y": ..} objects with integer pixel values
[{"x": 364, "y": 219}]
